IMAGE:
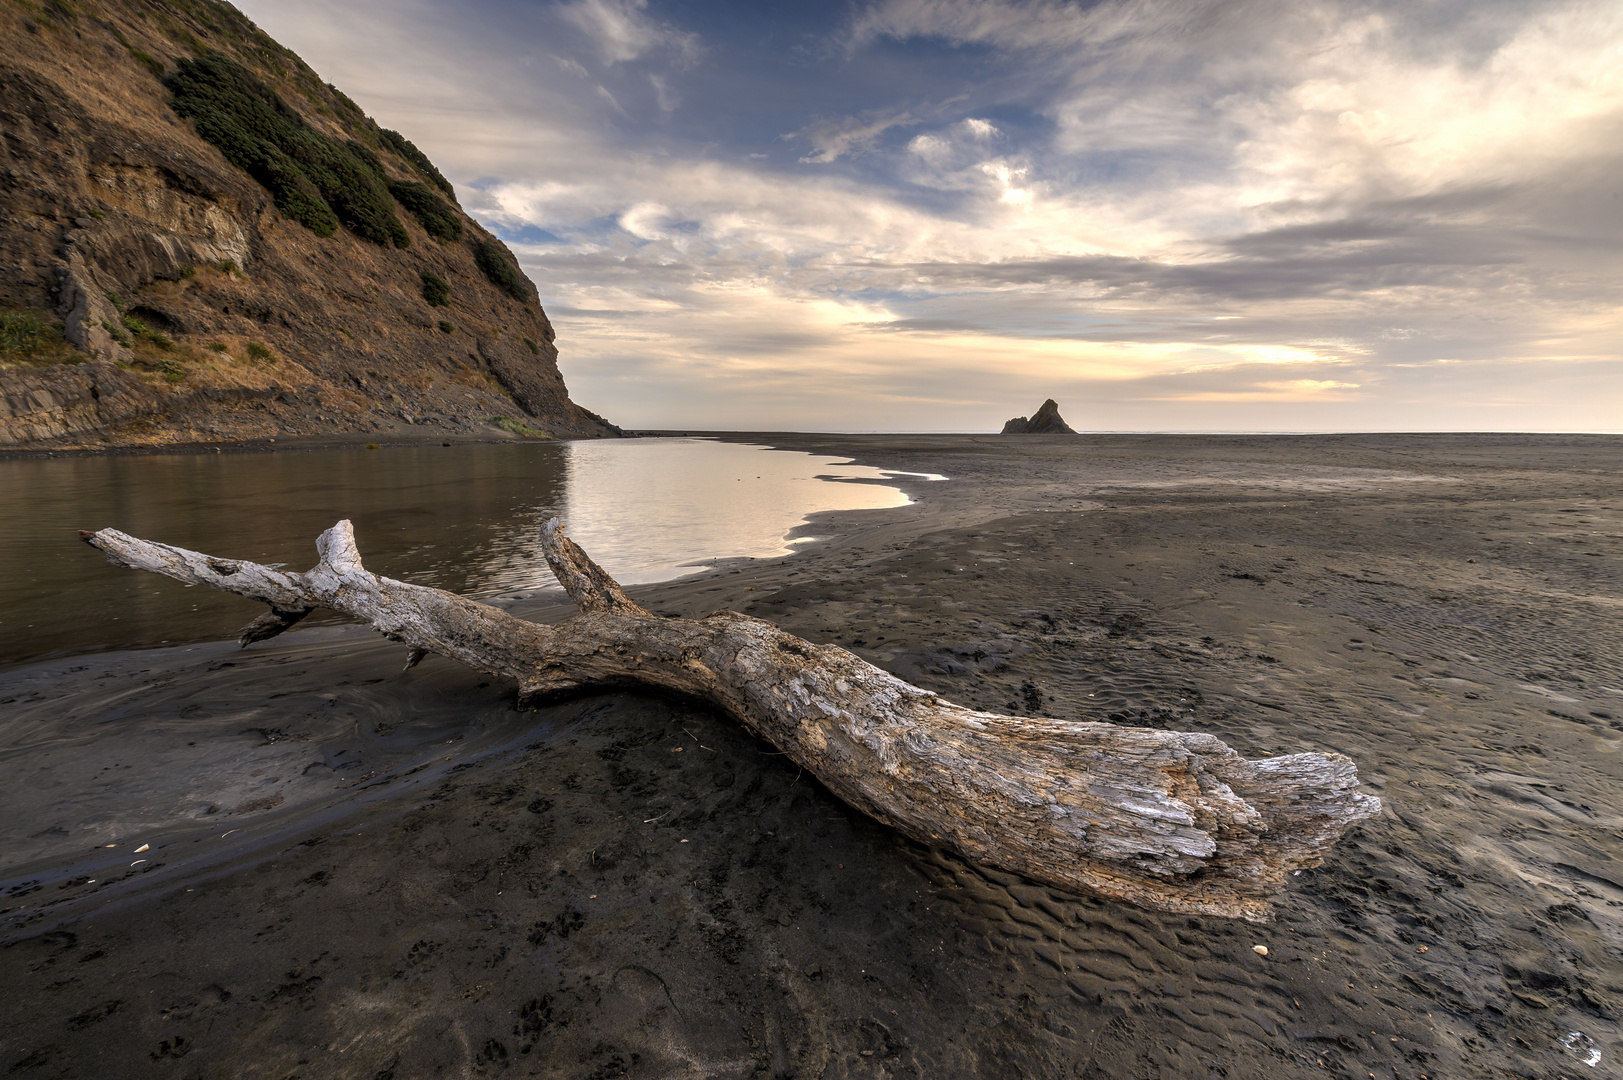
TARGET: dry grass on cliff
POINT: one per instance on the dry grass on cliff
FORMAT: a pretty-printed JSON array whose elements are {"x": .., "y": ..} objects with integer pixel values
[{"x": 33, "y": 339}]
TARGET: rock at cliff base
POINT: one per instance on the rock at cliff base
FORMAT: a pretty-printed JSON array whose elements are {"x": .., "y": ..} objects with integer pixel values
[{"x": 1045, "y": 421}]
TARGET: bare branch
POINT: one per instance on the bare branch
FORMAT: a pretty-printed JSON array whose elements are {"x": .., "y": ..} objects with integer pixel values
[
  {"x": 270, "y": 624},
  {"x": 587, "y": 583}
]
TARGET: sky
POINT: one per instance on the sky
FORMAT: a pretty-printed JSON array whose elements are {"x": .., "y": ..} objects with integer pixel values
[{"x": 930, "y": 215}]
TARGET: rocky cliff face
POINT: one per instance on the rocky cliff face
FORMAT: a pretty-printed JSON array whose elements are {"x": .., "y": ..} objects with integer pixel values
[{"x": 156, "y": 288}]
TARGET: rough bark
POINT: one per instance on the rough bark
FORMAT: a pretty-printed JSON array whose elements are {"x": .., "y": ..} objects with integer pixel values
[{"x": 1173, "y": 821}]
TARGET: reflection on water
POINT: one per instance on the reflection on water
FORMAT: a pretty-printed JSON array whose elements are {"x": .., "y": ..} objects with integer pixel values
[{"x": 464, "y": 518}]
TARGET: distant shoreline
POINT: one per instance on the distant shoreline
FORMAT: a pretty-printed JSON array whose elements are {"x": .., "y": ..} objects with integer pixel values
[{"x": 398, "y": 439}]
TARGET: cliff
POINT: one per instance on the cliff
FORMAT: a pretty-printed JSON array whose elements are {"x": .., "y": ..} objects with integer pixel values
[{"x": 202, "y": 241}]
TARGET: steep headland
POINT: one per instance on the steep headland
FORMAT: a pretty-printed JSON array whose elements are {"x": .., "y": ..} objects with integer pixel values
[{"x": 204, "y": 242}]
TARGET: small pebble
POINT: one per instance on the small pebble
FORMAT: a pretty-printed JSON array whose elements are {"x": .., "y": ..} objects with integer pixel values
[{"x": 1260, "y": 950}]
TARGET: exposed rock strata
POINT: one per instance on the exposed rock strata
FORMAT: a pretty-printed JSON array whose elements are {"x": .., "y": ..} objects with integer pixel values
[{"x": 197, "y": 310}]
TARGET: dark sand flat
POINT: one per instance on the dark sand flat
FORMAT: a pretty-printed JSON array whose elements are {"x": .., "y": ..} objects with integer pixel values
[{"x": 355, "y": 872}]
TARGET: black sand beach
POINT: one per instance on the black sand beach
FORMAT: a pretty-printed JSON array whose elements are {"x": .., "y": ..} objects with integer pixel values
[{"x": 629, "y": 886}]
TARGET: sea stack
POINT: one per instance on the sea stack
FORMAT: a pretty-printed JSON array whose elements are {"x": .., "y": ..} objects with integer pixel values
[{"x": 1045, "y": 421}]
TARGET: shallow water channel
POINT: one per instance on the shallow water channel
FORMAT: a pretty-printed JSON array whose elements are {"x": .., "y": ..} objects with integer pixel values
[
  {"x": 464, "y": 518},
  {"x": 169, "y": 751}
]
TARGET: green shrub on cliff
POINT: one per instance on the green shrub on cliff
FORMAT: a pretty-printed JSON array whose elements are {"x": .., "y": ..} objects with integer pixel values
[
  {"x": 148, "y": 61},
  {"x": 141, "y": 332},
  {"x": 435, "y": 290},
  {"x": 317, "y": 180},
  {"x": 503, "y": 274},
  {"x": 348, "y": 110},
  {"x": 27, "y": 337},
  {"x": 518, "y": 427},
  {"x": 406, "y": 149},
  {"x": 432, "y": 212}
]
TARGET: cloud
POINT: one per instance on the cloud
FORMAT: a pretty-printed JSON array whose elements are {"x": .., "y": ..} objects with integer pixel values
[
  {"x": 832, "y": 139},
  {"x": 1040, "y": 27},
  {"x": 622, "y": 31},
  {"x": 1296, "y": 101},
  {"x": 1276, "y": 391},
  {"x": 1240, "y": 214}
]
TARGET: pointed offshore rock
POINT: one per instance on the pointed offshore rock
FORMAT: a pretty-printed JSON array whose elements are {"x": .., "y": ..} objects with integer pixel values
[{"x": 1045, "y": 421}]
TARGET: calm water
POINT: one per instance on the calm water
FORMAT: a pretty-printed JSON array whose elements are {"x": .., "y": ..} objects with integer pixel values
[{"x": 463, "y": 518}]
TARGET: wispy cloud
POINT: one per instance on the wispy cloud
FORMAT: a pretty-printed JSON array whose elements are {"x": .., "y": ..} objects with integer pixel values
[
  {"x": 833, "y": 139},
  {"x": 622, "y": 29}
]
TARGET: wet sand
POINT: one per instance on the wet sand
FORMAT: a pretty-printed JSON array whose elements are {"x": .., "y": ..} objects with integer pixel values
[{"x": 416, "y": 880}]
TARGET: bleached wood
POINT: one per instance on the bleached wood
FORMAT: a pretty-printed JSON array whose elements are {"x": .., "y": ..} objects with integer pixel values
[{"x": 1174, "y": 821}]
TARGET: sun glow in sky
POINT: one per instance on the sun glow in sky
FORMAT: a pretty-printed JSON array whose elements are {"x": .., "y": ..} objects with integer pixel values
[{"x": 932, "y": 214}]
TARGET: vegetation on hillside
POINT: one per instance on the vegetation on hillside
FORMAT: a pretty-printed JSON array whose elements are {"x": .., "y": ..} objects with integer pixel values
[
  {"x": 502, "y": 273},
  {"x": 518, "y": 427},
  {"x": 146, "y": 59},
  {"x": 28, "y": 337},
  {"x": 408, "y": 150},
  {"x": 59, "y": 14},
  {"x": 317, "y": 180},
  {"x": 435, "y": 290},
  {"x": 432, "y": 212}
]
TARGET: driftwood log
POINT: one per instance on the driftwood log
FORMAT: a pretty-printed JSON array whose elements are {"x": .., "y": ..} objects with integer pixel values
[{"x": 1173, "y": 821}]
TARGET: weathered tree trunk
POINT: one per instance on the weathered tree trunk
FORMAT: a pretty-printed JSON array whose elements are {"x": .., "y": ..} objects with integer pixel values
[{"x": 1168, "y": 820}]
